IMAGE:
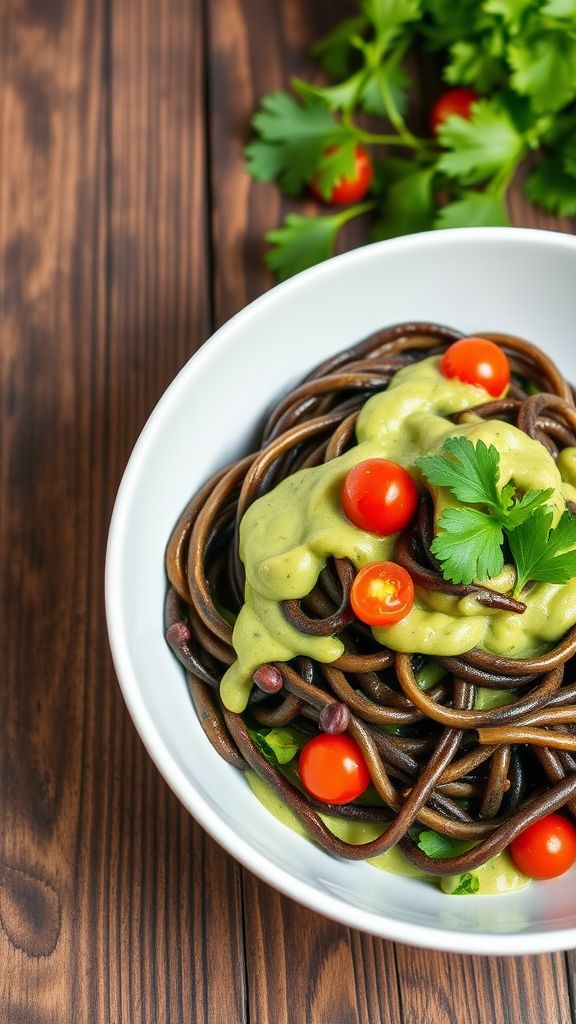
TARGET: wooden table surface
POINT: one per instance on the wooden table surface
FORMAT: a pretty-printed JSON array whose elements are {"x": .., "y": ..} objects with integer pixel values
[{"x": 128, "y": 232}]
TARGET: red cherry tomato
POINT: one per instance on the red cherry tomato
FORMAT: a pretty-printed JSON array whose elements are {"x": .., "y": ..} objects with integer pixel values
[
  {"x": 477, "y": 361},
  {"x": 547, "y": 848},
  {"x": 333, "y": 769},
  {"x": 349, "y": 190},
  {"x": 382, "y": 594},
  {"x": 379, "y": 496},
  {"x": 457, "y": 101}
]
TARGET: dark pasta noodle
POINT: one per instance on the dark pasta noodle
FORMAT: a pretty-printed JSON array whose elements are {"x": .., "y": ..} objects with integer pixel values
[{"x": 513, "y": 762}]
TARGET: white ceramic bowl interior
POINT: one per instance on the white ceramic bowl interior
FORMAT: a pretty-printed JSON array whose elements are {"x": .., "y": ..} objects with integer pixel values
[{"x": 518, "y": 281}]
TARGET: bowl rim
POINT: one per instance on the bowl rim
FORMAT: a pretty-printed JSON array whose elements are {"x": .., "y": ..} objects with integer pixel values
[{"x": 438, "y": 937}]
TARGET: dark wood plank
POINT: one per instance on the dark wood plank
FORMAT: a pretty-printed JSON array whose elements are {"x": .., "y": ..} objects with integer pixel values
[
  {"x": 301, "y": 967},
  {"x": 114, "y": 905}
]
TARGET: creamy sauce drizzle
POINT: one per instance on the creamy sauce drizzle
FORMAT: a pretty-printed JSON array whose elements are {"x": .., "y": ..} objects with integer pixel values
[{"x": 287, "y": 536}]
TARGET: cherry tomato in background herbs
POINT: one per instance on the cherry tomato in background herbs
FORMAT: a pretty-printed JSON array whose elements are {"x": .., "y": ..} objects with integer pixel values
[
  {"x": 546, "y": 848},
  {"x": 333, "y": 769},
  {"x": 477, "y": 361},
  {"x": 382, "y": 594},
  {"x": 457, "y": 101},
  {"x": 349, "y": 190},
  {"x": 379, "y": 496}
]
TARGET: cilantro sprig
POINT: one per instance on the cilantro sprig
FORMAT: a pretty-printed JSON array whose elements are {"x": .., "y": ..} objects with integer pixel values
[
  {"x": 520, "y": 58},
  {"x": 471, "y": 538}
]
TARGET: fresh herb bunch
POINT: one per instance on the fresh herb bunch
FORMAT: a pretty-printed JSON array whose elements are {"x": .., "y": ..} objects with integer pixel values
[
  {"x": 519, "y": 57},
  {"x": 472, "y": 538}
]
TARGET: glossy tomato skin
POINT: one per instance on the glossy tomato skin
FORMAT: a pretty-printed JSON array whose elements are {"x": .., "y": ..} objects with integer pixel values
[
  {"x": 332, "y": 768},
  {"x": 382, "y": 594},
  {"x": 457, "y": 101},
  {"x": 379, "y": 496},
  {"x": 349, "y": 190},
  {"x": 477, "y": 361},
  {"x": 547, "y": 848}
]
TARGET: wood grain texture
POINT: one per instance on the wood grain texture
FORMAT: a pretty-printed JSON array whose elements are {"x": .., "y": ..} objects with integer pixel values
[
  {"x": 112, "y": 901},
  {"x": 127, "y": 230}
]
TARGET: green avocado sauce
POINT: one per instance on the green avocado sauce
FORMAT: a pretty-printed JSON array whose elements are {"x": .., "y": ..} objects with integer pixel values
[
  {"x": 498, "y": 875},
  {"x": 287, "y": 536}
]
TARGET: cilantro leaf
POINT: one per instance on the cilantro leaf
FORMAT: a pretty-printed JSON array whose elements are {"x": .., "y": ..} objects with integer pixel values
[
  {"x": 278, "y": 746},
  {"x": 339, "y": 163},
  {"x": 408, "y": 205},
  {"x": 303, "y": 241},
  {"x": 541, "y": 553},
  {"x": 341, "y": 96},
  {"x": 560, "y": 9},
  {"x": 551, "y": 185},
  {"x": 481, "y": 145},
  {"x": 544, "y": 68},
  {"x": 293, "y": 138},
  {"x": 512, "y": 11},
  {"x": 395, "y": 78},
  {"x": 335, "y": 52},
  {"x": 468, "y": 884},
  {"x": 522, "y": 508},
  {"x": 470, "y": 471},
  {"x": 439, "y": 847},
  {"x": 473, "y": 209},
  {"x": 388, "y": 16},
  {"x": 469, "y": 545},
  {"x": 472, "y": 64}
]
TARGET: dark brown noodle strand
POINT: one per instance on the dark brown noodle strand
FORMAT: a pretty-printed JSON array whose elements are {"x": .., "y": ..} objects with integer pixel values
[{"x": 424, "y": 750}]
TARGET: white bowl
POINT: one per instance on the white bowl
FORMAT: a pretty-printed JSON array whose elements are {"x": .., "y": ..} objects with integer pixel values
[{"x": 500, "y": 279}]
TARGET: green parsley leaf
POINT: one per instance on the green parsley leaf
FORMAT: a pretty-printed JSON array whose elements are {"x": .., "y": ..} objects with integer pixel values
[
  {"x": 293, "y": 138},
  {"x": 481, "y": 145},
  {"x": 551, "y": 185},
  {"x": 440, "y": 847},
  {"x": 541, "y": 553},
  {"x": 473, "y": 210},
  {"x": 335, "y": 52},
  {"x": 469, "y": 545},
  {"x": 470, "y": 472},
  {"x": 278, "y": 746},
  {"x": 468, "y": 885},
  {"x": 408, "y": 205},
  {"x": 303, "y": 241}
]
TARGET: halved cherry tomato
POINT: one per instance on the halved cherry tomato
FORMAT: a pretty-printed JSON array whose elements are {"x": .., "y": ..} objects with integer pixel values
[
  {"x": 456, "y": 101},
  {"x": 546, "y": 848},
  {"x": 333, "y": 769},
  {"x": 382, "y": 594},
  {"x": 477, "y": 361},
  {"x": 380, "y": 496},
  {"x": 349, "y": 190}
]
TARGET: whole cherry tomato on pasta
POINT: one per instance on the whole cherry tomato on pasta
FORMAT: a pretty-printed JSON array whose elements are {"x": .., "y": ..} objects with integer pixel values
[
  {"x": 477, "y": 361},
  {"x": 379, "y": 496},
  {"x": 546, "y": 848},
  {"x": 332, "y": 768}
]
